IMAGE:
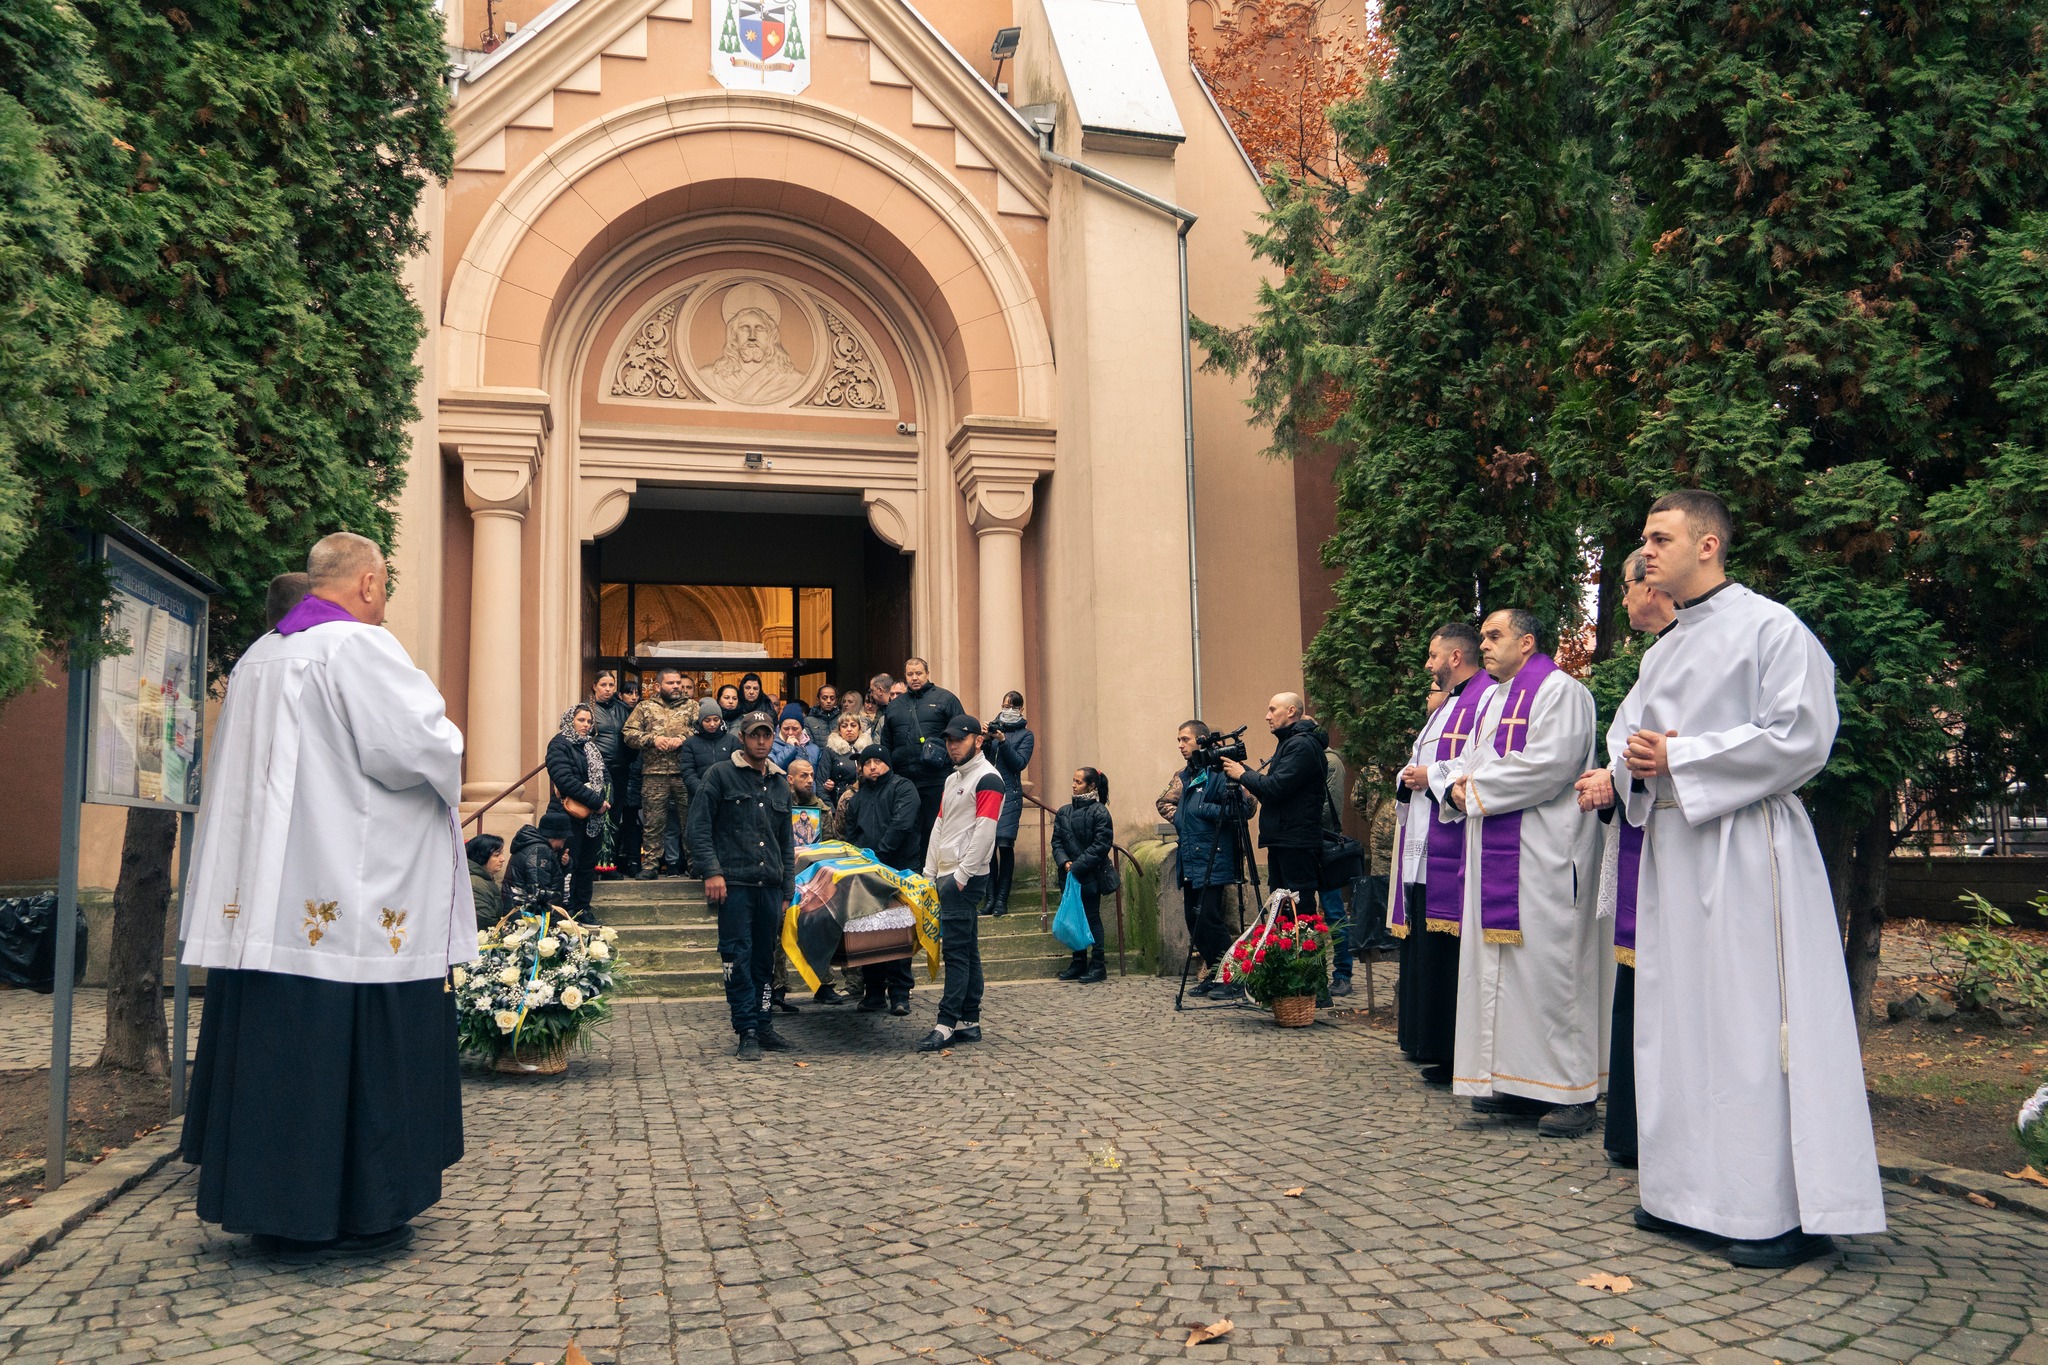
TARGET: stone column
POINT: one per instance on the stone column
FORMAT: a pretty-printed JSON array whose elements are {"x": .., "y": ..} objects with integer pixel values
[
  {"x": 996, "y": 463},
  {"x": 499, "y": 439}
]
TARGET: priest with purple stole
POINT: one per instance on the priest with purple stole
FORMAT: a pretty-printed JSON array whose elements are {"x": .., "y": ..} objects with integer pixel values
[
  {"x": 1533, "y": 976},
  {"x": 1751, "y": 1112},
  {"x": 1650, "y": 611},
  {"x": 328, "y": 899},
  {"x": 1428, "y": 894}
]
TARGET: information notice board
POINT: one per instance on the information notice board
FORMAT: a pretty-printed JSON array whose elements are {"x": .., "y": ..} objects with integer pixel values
[{"x": 149, "y": 704}]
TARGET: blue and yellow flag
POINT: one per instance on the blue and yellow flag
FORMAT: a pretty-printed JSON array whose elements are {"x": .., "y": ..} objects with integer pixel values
[{"x": 838, "y": 884}]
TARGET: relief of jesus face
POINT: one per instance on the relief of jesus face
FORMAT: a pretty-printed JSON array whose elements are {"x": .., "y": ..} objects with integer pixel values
[{"x": 752, "y": 336}]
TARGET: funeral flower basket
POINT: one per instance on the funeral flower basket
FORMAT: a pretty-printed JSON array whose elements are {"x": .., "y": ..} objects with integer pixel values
[
  {"x": 540, "y": 985},
  {"x": 2032, "y": 1128},
  {"x": 1283, "y": 960}
]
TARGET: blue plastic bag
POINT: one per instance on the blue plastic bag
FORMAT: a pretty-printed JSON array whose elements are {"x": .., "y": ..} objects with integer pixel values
[{"x": 1070, "y": 925}]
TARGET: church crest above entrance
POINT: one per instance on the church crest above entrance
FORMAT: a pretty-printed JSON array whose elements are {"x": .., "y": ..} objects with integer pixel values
[
  {"x": 750, "y": 341},
  {"x": 762, "y": 45}
]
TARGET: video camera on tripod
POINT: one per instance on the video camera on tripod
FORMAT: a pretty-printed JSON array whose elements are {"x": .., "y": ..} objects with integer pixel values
[{"x": 1215, "y": 748}]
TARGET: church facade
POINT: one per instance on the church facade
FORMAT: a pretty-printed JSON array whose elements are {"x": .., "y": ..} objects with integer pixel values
[{"x": 796, "y": 337}]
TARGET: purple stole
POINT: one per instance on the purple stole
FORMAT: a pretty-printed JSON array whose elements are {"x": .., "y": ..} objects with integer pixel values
[
  {"x": 1500, "y": 837},
  {"x": 311, "y": 611},
  {"x": 1444, "y": 899},
  {"x": 1629, "y": 879}
]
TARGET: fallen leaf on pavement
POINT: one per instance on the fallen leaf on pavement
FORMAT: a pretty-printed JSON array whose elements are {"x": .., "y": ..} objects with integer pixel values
[
  {"x": 2028, "y": 1174},
  {"x": 803, "y": 1063},
  {"x": 1198, "y": 1335},
  {"x": 575, "y": 1356},
  {"x": 1297, "y": 1192},
  {"x": 1980, "y": 1200},
  {"x": 1613, "y": 1284},
  {"x": 1604, "y": 1339}
]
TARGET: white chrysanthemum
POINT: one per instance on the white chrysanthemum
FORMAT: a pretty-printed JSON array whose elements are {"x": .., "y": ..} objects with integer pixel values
[
  {"x": 539, "y": 993},
  {"x": 506, "y": 1021},
  {"x": 2035, "y": 1110},
  {"x": 601, "y": 951},
  {"x": 509, "y": 977},
  {"x": 572, "y": 999},
  {"x": 549, "y": 946},
  {"x": 459, "y": 977}
]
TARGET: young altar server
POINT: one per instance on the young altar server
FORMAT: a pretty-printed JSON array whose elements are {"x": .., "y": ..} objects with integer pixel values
[
  {"x": 328, "y": 900},
  {"x": 1751, "y": 1111},
  {"x": 1533, "y": 978},
  {"x": 1428, "y": 895},
  {"x": 1621, "y": 859}
]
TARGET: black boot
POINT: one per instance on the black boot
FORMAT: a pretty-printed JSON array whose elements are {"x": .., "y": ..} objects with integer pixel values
[
  {"x": 1076, "y": 969},
  {"x": 1097, "y": 970},
  {"x": 1001, "y": 905}
]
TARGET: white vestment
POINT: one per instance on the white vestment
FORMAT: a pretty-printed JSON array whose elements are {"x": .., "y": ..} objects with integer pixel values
[
  {"x": 1749, "y": 1078},
  {"x": 1532, "y": 1015},
  {"x": 327, "y": 844}
]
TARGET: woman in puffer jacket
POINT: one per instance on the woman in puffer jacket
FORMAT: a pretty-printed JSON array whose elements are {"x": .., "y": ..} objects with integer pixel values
[{"x": 1083, "y": 836}]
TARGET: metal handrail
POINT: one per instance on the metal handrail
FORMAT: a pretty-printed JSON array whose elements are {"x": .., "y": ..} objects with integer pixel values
[
  {"x": 1045, "y": 863},
  {"x": 478, "y": 814}
]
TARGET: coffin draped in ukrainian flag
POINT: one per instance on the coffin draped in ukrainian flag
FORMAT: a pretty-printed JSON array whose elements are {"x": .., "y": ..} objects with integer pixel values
[{"x": 848, "y": 900}]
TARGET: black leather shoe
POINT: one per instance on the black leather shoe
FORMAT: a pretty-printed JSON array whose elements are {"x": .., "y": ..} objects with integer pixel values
[
  {"x": 781, "y": 1003},
  {"x": 872, "y": 1004},
  {"x": 1074, "y": 971},
  {"x": 1513, "y": 1105},
  {"x": 1568, "y": 1121},
  {"x": 771, "y": 1041},
  {"x": 1436, "y": 1073},
  {"x": 647, "y": 876},
  {"x": 1201, "y": 988},
  {"x": 899, "y": 1008},
  {"x": 967, "y": 1033},
  {"x": 363, "y": 1243},
  {"x": 1782, "y": 1252},
  {"x": 1094, "y": 976},
  {"x": 934, "y": 1041},
  {"x": 1625, "y": 1159},
  {"x": 1664, "y": 1227},
  {"x": 749, "y": 1049}
]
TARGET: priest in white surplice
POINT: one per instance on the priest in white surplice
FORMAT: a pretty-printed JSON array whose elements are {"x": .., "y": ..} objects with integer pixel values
[
  {"x": 327, "y": 877},
  {"x": 1751, "y": 1111},
  {"x": 1532, "y": 976}
]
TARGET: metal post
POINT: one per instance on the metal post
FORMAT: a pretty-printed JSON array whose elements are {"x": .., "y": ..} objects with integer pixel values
[
  {"x": 181, "y": 992},
  {"x": 1187, "y": 417},
  {"x": 77, "y": 700}
]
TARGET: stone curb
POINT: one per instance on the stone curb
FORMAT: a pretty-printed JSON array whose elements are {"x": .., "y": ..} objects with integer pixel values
[
  {"x": 40, "y": 1226},
  {"x": 2006, "y": 1193}
]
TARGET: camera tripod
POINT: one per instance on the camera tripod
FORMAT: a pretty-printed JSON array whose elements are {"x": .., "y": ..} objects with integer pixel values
[{"x": 1238, "y": 825}]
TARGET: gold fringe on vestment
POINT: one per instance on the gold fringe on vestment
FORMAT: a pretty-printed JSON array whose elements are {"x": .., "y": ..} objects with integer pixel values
[
  {"x": 1625, "y": 956},
  {"x": 1510, "y": 936},
  {"x": 1443, "y": 926}
]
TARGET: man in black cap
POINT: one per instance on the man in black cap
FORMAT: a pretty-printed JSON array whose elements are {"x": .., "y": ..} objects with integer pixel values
[
  {"x": 882, "y": 818},
  {"x": 740, "y": 840},
  {"x": 957, "y": 855}
]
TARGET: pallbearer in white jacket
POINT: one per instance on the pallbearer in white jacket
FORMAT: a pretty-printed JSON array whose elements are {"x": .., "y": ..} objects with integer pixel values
[
  {"x": 327, "y": 876},
  {"x": 1749, "y": 1081}
]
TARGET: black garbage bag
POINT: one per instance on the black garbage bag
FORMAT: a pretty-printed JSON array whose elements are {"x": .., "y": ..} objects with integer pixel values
[{"x": 28, "y": 943}]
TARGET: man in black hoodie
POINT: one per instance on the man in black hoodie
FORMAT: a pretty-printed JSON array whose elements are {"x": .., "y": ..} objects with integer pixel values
[
  {"x": 1290, "y": 794},
  {"x": 882, "y": 818},
  {"x": 706, "y": 749},
  {"x": 913, "y": 730},
  {"x": 740, "y": 839}
]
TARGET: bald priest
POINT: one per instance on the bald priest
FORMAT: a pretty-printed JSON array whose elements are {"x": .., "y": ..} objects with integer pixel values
[{"x": 327, "y": 878}]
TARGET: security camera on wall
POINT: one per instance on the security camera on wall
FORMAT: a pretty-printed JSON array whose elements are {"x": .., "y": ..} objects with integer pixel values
[{"x": 906, "y": 428}]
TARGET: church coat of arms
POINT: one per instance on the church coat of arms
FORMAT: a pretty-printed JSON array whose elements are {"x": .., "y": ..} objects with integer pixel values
[{"x": 763, "y": 45}]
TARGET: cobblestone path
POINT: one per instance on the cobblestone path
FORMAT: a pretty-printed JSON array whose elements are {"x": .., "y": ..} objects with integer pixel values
[{"x": 1081, "y": 1187}]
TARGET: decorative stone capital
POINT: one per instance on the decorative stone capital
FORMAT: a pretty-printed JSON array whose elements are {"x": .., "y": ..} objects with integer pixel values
[
  {"x": 602, "y": 503},
  {"x": 892, "y": 514},
  {"x": 996, "y": 461},
  {"x": 499, "y": 435}
]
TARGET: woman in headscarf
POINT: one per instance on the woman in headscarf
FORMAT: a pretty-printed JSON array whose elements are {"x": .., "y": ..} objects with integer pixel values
[{"x": 576, "y": 781}]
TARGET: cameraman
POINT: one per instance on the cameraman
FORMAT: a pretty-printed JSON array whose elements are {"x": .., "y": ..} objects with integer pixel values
[
  {"x": 1206, "y": 810},
  {"x": 1291, "y": 791}
]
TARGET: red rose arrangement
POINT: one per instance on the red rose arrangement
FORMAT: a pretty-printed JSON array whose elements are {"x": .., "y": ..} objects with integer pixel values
[{"x": 1287, "y": 957}]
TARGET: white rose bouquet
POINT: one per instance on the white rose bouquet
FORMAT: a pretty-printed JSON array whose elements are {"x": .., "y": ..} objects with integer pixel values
[
  {"x": 543, "y": 981},
  {"x": 2032, "y": 1128}
]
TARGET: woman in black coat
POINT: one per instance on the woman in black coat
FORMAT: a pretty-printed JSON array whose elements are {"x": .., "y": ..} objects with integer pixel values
[
  {"x": 576, "y": 772},
  {"x": 1082, "y": 835},
  {"x": 1008, "y": 749}
]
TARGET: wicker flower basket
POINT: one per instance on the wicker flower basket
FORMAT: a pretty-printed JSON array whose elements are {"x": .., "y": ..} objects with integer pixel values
[
  {"x": 537, "y": 1059},
  {"x": 1294, "y": 1011}
]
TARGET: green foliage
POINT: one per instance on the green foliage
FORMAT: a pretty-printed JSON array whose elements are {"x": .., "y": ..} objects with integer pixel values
[
  {"x": 243, "y": 179},
  {"x": 1991, "y": 966},
  {"x": 1142, "y": 875},
  {"x": 1416, "y": 327},
  {"x": 1833, "y": 316}
]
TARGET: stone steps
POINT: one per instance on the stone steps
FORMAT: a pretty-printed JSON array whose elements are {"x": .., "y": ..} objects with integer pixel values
[{"x": 668, "y": 939}]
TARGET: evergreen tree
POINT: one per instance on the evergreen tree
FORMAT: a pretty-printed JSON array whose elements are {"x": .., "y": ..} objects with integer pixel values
[
  {"x": 795, "y": 50},
  {"x": 729, "y": 36},
  {"x": 1834, "y": 318},
  {"x": 1439, "y": 312}
]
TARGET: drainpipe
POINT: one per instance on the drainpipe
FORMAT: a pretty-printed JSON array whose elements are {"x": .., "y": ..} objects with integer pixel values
[{"x": 1044, "y": 128}]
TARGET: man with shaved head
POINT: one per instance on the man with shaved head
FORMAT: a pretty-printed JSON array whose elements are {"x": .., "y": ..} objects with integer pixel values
[
  {"x": 1290, "y": 795},
  {"x": 327, "y": 902}
]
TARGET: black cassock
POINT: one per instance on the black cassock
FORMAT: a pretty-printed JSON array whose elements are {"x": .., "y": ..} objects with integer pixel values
[
  {"x": 1621, "y": 1067},
  {"x": 322, "y": 1109},
  {"x": 1426, "y": 999}
]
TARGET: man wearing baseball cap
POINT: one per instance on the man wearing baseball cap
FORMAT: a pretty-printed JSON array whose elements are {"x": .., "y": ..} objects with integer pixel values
[
  {"x": 740, "y": 839},
  {"x": 963, "y": 841}
]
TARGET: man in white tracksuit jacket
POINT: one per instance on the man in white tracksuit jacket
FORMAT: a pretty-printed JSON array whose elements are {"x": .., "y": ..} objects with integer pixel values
[{"x": 956, "y": 859}]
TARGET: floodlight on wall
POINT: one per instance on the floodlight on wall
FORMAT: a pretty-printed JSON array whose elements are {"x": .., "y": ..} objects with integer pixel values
[
  {"x": 1002, "y": 49},
  {"x": 756, "y": 460}
]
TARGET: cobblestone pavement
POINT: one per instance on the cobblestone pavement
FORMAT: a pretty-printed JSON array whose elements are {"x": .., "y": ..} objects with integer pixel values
[
  {"x": 25, "y": 1027},
  {"x": 1081, "y": 1187}
]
